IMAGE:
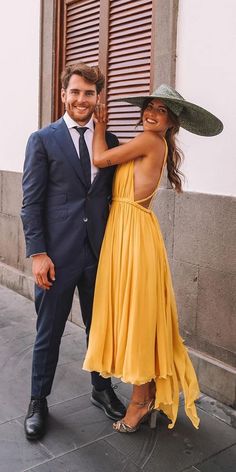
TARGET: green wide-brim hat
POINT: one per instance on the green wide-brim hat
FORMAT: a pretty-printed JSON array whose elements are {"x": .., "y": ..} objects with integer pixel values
[{"x": 191, "y": 117}]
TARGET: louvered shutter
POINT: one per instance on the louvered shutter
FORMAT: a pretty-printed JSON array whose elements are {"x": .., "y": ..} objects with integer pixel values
[
  {"x": 82, "y": 31},
  {"x": 129, "y": 61},
  {"x": 117, "y": 35}
]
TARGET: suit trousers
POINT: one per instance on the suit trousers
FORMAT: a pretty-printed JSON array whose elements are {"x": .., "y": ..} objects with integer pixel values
[{"x": 53, "y": 307}]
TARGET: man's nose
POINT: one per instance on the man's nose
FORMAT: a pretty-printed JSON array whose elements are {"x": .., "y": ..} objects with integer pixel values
[{"x": 81, "y": 97}]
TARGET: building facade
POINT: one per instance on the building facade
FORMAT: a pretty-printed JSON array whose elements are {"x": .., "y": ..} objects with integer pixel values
[{"x": 139, "y": 44}]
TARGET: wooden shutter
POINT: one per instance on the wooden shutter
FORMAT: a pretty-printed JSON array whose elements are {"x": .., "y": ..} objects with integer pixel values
[
  {"x": 129, "y": 61},
  {"x": 117, "y": 35},
  {"x": 77, "y": 39},
  {"x": 82, "y": 31}
]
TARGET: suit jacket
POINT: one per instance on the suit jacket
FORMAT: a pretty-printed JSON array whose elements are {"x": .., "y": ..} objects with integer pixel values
[{"x": 58, "y": 212}]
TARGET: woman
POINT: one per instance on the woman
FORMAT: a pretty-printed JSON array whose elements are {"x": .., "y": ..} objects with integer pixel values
[{"x": 134, "y": 334}]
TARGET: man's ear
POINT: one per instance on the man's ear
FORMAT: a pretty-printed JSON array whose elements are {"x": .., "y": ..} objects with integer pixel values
[
  {"x": 98, "y": 99},
  {"x": 63, "y": 95}
]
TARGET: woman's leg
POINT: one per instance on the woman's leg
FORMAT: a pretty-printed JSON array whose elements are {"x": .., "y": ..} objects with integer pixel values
[
  {"x": 152, "y": 389},
  {"x": 139, "y": 404}
]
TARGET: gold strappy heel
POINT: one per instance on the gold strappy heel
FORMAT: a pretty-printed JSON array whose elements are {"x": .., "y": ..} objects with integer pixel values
[{"x": 151, "y": 416}]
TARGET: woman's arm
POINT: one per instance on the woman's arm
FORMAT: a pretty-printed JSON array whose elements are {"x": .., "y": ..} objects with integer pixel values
[{"x": 140, "y": 146}]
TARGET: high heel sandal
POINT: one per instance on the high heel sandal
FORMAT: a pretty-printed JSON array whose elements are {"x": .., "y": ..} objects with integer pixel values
[{"x": 151, "y": 416}]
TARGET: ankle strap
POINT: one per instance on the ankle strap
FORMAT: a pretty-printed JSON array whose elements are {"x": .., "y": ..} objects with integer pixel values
[{"x": 141, "y": 404}]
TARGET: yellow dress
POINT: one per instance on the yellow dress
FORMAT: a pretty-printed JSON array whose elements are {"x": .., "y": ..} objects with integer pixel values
[{"x": 134, "y": 333}]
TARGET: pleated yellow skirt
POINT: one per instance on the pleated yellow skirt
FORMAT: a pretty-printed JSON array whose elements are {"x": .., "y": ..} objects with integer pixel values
[{"x": 134, "y": 333}]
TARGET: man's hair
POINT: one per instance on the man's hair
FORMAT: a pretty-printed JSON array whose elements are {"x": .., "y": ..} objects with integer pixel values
[{"x": 90, "y": 73}]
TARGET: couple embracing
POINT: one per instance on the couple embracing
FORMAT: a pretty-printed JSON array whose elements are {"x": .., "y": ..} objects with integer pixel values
[{"x": 88, "y": 224}]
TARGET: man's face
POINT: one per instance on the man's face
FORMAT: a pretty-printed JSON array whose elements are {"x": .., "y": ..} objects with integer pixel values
[{"x": 80, "y": 99}]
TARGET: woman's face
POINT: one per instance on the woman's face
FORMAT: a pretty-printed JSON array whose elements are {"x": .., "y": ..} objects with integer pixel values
[{"x": 155, "y": 117}]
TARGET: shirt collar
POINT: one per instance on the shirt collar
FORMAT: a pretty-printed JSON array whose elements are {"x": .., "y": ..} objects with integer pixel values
[{"x": 70, "y": 123}]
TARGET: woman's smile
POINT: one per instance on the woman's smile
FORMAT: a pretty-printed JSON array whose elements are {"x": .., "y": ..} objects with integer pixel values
[{"x": 155, "y": 117}]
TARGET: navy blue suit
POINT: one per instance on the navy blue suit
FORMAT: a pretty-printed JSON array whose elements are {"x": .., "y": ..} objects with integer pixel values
[{"x": 67, "y": 221}]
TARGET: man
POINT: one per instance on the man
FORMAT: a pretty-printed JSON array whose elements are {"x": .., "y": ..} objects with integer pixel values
[{"x": 64, "y": 213}]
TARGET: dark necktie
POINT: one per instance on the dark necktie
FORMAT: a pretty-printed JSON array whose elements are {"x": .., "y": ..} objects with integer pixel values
[{"x": 84, "y": 156}]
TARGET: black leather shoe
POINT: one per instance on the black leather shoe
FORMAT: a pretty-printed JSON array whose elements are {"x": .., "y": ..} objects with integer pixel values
[
  {"x": 109, "y": 403},
  {"x": 35, "y": 420}
]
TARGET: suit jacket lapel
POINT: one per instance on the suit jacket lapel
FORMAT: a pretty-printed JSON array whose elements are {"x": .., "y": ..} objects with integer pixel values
[{"x": 63, "y": 138}]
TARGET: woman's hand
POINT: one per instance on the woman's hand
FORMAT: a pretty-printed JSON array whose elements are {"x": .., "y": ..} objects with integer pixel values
[
  {"x": 99, "y": 137},
  {"x": 100, "y": 113}
]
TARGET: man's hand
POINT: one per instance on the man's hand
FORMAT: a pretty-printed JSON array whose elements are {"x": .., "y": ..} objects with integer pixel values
[{"x": 43, "y": 269}]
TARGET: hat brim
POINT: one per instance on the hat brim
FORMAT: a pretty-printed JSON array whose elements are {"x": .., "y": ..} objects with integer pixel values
[{"x": 192, "y": 117}]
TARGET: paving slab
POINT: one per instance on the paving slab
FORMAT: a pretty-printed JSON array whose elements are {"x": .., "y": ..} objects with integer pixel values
[
  {"x": 73, "y": 424},
  {"x": 16, "y": 453},
  {"x": 176, "y": 449},
  {"x": 217, "y": 409},
  {"x": 80, "y": 438},
  {"x": 225, "y": 461},
  {"x": 98, "y": 457},
  {"x": 193, "y": 469}
]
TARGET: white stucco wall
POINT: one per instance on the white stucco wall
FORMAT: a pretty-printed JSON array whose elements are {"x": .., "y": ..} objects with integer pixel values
[
  {"x": 206, "y": 75},
  {"x": 19, "y": 79}
]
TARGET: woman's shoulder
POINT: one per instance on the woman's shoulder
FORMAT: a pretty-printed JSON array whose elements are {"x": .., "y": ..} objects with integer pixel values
[
  {"x": 148, "y": 135},
  {"x": 153, "y": 139},
  {"x": 153, "y": 136}
]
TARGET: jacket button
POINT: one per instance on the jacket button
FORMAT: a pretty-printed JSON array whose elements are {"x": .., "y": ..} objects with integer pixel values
[{"x": 85, "y": 220}]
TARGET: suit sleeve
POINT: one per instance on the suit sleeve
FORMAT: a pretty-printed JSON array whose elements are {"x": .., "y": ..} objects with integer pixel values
[
  {"x": 112, "y": 140},
  {"x": 35, "y": 179}
]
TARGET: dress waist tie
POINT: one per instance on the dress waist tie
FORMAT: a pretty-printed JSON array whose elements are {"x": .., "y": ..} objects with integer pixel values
[{"x": 131, "y": 202}]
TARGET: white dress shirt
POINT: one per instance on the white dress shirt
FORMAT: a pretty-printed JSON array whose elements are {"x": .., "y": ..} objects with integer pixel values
[{"x": 88, "y": 136}]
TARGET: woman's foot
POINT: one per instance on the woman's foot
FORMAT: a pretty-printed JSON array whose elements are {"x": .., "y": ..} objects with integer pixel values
[{"x": 137, "y": 413}]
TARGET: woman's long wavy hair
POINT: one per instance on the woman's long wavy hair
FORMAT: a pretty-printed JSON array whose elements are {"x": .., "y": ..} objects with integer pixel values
[{"x": 175, "y": 155}]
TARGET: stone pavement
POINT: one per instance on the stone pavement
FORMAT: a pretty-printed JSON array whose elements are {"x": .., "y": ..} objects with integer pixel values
[{"x": 80, "y": 438}]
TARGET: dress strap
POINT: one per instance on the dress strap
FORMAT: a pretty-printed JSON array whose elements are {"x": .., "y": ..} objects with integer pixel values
[
  {"x": 162, "y": 170},
  {"x": 147, "y": 198}
]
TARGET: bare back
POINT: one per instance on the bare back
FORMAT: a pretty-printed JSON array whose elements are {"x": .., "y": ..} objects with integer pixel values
[{"x": 147, "y": 174}]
